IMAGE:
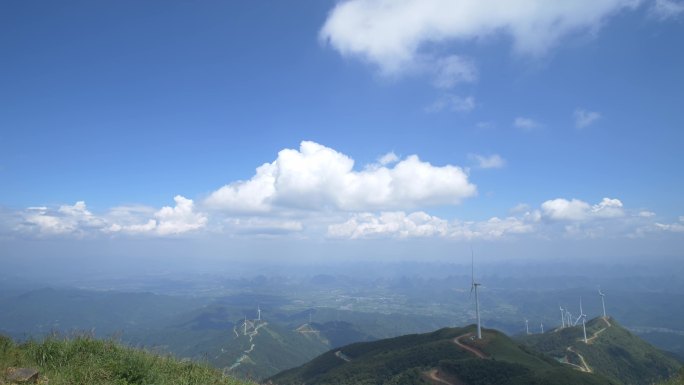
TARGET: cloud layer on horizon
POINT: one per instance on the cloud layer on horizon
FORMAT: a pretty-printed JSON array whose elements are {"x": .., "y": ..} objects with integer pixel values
[{"x": 315, "y": 192}]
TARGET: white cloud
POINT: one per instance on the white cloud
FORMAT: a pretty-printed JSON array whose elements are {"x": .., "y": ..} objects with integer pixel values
[
  {"x": 395, "y": 34},
  {"x": 139, "y": 228},
  {"x": 569, "y": 218},
  {"x": 179, "y": 219},
  {"x": 526, "y": 124},
  {"x": 319, "y": 178},
  {"x": 451, "y": 102},
  {"x": 492, "y": 161},
  {"x": 584, "y": 118},
  {"x": 666, "y": 9},
  {"x": 577, "y": 210},
  {"x": 556, "y": 218},
  {"x": 168, "y": 220},
  {"x": 452, "y": 70},
  {"x": 398, "y": 224},
  {"x": 394, "y": 224},
  {"x": 66, "y": 219},
  {"x": 389, "y": 158},
  {"x": 78, "y": 220}
]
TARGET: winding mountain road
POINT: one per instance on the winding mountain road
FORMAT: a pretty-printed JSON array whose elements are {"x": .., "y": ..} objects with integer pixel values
[
  {"x": 585, "y": 367},
  {"x": 471, "y": 349},
  {"x": 251, "y": 335}
]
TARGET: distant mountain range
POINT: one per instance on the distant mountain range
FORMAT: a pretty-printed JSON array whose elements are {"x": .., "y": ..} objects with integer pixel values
[{"x": 453, "y": 356}]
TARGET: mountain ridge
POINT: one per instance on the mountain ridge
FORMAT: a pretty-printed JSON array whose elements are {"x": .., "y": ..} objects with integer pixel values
[
  {"x": 611, "y": 350},
  {"x": 445, "y": 356}
]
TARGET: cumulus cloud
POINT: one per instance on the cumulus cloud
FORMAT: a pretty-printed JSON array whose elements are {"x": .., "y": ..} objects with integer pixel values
[
  {"x": 319, "y": 178},
  {"x": 179, "y": 219},
  {"x": 396, "y": 35},
  {"x": 66, "y": 219},
  {"x": 78, "y": 220},
  {"x": 451, "y": 102},
  {"x": 492, "y": 161},
  {"x": 666, "y": 9},
  {"x": 577, "y": 210},
  {"x": 526, "y": 124},
  {"x": 584, "y": 118}
]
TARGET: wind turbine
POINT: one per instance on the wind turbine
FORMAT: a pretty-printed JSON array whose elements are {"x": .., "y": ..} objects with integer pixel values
[
  {"x": 603, "y": 302},
  {"x": 245, "y": 332},
  {"x": 527, "y": 327},
  {"x": 542, "y": 328},
  {"x": 584, "y": 319},
  {"x": 258, "y": 313},
  {"x": 562, "y": 316},
  {"x": 473, "y": 286}
]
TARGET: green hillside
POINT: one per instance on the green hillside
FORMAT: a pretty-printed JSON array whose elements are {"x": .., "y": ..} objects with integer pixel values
[
  {"x": 612, "y": 351},
  {"x": 265, "y": 350},
  {"x": 436, "y": 358},
  {"x": 87, "y": 361}
]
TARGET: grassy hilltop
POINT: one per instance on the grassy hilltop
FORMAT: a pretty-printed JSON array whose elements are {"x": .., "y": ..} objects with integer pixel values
[{"x": 87, "y": 361}]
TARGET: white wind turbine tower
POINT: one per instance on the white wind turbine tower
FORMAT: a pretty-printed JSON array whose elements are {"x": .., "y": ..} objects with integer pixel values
[
  {"x": 562, "y": 316},
  {"x": 542, "y": 327},
  {"x": 245, "y": 332},
  {"x": 258, "y": 313},
  {"x": 603, "y": 302},
  {"x": 527, "y": 327},
  {"x": 474, "y": 286},
  {"x": 584, "y": 319}
]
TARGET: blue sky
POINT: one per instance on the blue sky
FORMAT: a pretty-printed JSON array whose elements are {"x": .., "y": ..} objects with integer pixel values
[{"x": 123, "y": 121}]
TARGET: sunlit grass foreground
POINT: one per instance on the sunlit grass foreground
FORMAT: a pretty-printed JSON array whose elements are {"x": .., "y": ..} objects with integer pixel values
[{"x": 86, "y": 360}]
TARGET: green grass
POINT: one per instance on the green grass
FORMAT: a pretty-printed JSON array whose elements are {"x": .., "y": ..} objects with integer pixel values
[{"x": 88, "y": 361}]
